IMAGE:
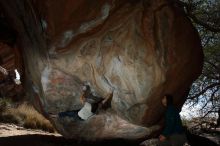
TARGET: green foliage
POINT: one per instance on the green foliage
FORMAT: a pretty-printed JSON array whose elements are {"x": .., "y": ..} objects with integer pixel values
[{"x": 205, "y": 92}]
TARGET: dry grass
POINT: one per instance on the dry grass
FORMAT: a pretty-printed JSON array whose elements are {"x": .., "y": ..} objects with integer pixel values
[{"x": 25, "y": 115}]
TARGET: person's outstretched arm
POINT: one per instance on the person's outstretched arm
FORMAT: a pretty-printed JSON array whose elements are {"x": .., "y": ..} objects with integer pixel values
[{"x": 82, "y": 99}]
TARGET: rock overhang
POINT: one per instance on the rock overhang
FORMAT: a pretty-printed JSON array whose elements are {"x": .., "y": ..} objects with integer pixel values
[{"x": 139, "y": 51}]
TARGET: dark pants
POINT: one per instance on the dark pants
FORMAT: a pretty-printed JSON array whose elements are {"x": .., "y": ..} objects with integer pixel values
[
  {"x": 72, "y": 114},
  {"x": 174, "y": 140}
]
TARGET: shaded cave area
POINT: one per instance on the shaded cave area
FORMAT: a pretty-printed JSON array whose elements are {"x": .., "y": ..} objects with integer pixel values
[
  {"x": 114, "y": 49},
  {"x": 10, "y": 60}
]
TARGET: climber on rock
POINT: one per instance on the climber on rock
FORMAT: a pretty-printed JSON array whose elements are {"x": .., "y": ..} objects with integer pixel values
[
  {"x": 92, "y": 104},
  {"x": 173, "y": 133}
]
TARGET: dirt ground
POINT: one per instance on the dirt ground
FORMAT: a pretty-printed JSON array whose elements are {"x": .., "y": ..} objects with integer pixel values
[
  {"x": 12, "y": 135},
  {"x": 7, "y": 130},
  {"x": 215, "y": 138}
]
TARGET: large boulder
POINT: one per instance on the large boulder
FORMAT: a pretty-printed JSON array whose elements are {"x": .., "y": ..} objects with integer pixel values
[{"x": 137, "y": 49}]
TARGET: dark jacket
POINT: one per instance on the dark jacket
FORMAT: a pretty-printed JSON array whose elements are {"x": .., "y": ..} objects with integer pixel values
[
  {"x": 173, "y": 123},
  {"x": 94, "y": 101}
]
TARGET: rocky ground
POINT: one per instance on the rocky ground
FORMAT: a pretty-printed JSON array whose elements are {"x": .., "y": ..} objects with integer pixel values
[
  {"x": 215, "y": 136},
  {"x": 13, "y": 135},
  {"x": 8, "y": 130}
]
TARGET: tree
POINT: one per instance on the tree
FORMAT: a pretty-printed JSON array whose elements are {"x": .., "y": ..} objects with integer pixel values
[{"x": 205, "y": 91}]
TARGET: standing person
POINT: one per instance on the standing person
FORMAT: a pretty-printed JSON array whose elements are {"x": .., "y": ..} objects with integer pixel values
[{"x": 173, "y": 133}]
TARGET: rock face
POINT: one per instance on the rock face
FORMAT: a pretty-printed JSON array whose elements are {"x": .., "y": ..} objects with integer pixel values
[{"x": 137, "y": 49}]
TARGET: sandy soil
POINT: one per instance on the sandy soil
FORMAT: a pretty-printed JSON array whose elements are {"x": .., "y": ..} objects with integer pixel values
[
  {"x": 7, "y": 130},
  {"x": 12, "y": 135}
]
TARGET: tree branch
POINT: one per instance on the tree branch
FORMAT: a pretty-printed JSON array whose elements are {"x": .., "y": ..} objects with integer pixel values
[
  {"x": 207, "y": 26},
  {"x": 204, "y": 90},
  {"x": 189, "y": 13},
  {"x": 210, "y": 99}
]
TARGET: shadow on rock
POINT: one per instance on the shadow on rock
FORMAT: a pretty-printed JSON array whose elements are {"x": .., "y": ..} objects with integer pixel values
[
  {"x": 48, "y": 140},
  {"x": 195, "y": 140}
]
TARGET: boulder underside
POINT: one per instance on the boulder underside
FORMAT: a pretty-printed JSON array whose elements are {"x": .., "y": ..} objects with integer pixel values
[{"x": 137, "y": 50}]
